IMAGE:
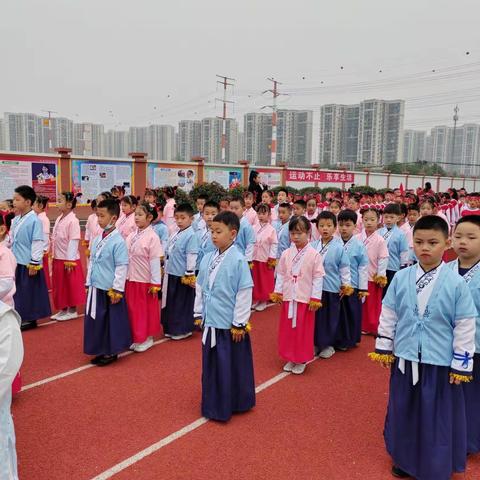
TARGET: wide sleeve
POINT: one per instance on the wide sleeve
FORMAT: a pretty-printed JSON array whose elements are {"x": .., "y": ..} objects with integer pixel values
[
  {"x": 281, "y": 272},
  {"x": 273, "y": 244},
  {"x": 388, "y": 320},
  {"x": 198, "y": 305},
  {"x": 317, "y": 280}
]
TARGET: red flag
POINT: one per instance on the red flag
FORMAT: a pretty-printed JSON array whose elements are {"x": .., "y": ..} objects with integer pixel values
[{"x": 402, "y": 190}]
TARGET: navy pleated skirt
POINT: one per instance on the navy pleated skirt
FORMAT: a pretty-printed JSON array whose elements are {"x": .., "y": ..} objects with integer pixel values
[
  {"x": 177, "y": 316},
  {"x": 472, "y": 405},
  {"x": 425, "y": 429},
  {"x": 327, "y": 320},
  {"x": 31, "y": 298},
  {"x": 350, "y": 324},
  {"x": 109, "y": 333},
  {"x": 228, "y": 384}
]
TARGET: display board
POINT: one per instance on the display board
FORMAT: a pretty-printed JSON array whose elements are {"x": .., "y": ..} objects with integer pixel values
[
  {"x": 227, "y": 177},
  {"x": 160, "y": 176}
]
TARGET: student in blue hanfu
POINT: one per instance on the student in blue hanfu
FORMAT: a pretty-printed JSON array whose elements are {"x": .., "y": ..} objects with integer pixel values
[
  {"x": 466, "y": 243},
  {"x": 222, "y": 307},
  {"x": 245, "y": 240},
  {"x": 106, "y": 326},
  {"x": 427, "y": 335}
]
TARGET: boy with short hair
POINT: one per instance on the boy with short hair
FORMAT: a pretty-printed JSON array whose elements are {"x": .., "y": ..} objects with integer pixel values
[
  {"x": 427, "y": 334},
  {"x": 299, "y": 208},
  {"x": 222, "y": 307},
  {"x": 281, "y": 227},
  {"x": 205, "y": 244},
  {"x": 106, "y": 324},
  {"x": 198, "y": 220},
  {"x": 245, "y": 238},
  {"x": 224, "y": 204},
  {"x": 466, "y": 243},
  {"x": 350, "y": 326},
  {"x": 179, "y": 281}
]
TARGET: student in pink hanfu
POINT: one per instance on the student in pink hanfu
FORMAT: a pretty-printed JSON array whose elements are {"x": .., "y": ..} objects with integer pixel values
[
  {"x": 126, "y": 223},
  {"x": 267, "y": 198},
  {"x": 312, "y": 214},
  {"x": 39, "y": 208},
  {"x": 92, "y": 229},
  {"x": 250, "y": 214},
  {"x": 169, "y": 210},
  {"x": 299, "y": 288},
  {"x": 68, "y": 279},
  {"x": 264, "y": 258},
  {"x": 143, "y": 279},
  {"x": 377, "y": 252}
]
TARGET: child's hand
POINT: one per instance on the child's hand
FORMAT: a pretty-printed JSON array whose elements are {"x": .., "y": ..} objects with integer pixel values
[
  {"x": 238, "y": 336},
  {"x": 69, "y": 266},
  {"x": 115, "y": 296},
  {"x": 455, "y": 381}
]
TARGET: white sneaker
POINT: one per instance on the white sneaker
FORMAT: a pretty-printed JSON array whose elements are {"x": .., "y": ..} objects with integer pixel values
[
  {"x": 261, "y": 306},
  {"x": 181, "y": 337},
  {"x": 133, "y": 346},
  {"x": 142, "y": 347},
  {"x": 288, "y": 367},
  {"x": 167, "y": 335},
  {"x": 58, "y": 314},
  {"x": 254, "y": 305},
  {"x": 327, "y": 352},
  {"x": 67, "y": 316},
  {"x": 299, "y": 368}
]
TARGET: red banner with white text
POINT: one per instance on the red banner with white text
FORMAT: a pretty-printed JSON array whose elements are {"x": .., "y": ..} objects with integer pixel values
[{"x": 320, "y": 176}]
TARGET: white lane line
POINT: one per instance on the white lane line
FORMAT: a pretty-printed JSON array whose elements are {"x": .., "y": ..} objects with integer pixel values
[
  {"x": 77, "y": 370},
  {"x": 50, "y": 322},
  {"x": 176, "y": 435}
]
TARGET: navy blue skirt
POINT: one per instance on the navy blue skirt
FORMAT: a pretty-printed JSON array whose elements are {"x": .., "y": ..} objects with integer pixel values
[
  {"x": 228, "y": 384},
  {"x": 350, "y": 324},
  {"x": 425, "y": 428},
  {"x": 327, "y": 320},
  {"x": 472, "y": 405},
  {"x": 177, "y": 316},
  {"x": 390, "y": 275},
  {"x": 31, "y": 298},
  {"x": 109, "y": 333}
]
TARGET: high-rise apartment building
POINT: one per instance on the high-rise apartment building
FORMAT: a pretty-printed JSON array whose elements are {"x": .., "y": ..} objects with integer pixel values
[
  {"x": 414, "y": 146},
  {"x": 22, "y": 132},
  {"x": 161, "y": 142},
  {"x": 2, "y": 135},
  {"x": 88, "y": 139},
  {"x": 116, "y": 144},
  {"x": 241, "y": 146},
  {"x": 257, "y": 130},
  {"x": 61, "y": 131},
  {"x": 189, "y": 139},
  {"x": 211, "y": 148},
  {"x": 369, "y": 133},
  {"x": 138, "y": 139}
]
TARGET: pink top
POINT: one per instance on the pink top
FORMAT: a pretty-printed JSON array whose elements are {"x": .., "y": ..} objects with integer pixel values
[
  {"x": 8, "y": 264},
  {"x": 266, "y": 242},
  {"x": 126, "y": 224},
  {"x": 251, "y": 215},
  {"x": 408, "y": 231},
  {"x": 92, "y": 229},
  {"x": 144, "y": 247},
  {"x": 169, "y": 215},
  {"x": 311, "y": 269},
  {"x": 42, "y": 216},
  {"x": 66, "y": 228},
  {"x": 376, "y": 250},
  {"x": 359, "y": 227},
  {"x": 274, "y": 213}
]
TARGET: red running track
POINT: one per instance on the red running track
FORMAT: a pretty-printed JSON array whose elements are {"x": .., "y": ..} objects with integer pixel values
[{"x": 325, "y": 424}]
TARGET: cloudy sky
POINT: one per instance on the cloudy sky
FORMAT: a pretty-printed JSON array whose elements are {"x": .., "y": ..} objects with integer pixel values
[{"x": 136, "y": 62}]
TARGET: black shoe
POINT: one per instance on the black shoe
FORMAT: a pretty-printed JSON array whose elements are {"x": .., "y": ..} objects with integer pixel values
[
  {"x": 107, "y": 360},
  {"x": 399, "y": 473},
  {"x": 28, "y": 326},
  {"x": 96, "y": 360}
]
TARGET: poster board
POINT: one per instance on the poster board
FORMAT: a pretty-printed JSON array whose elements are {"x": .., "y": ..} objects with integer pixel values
[
  {"x": 227, "y": 177},
  {"x": 271, "y": 178},
  {"x": 161, "y": 176}
]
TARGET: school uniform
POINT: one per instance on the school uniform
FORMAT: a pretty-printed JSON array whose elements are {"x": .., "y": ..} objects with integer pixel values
[
  {"x": 42, "y": 216},
  {"x": 92, "y": 228},
  {"x": 407, "y": 229},
  {"x": 245, "y": 240},
  {"x": 144, "y": 272},
  {"x": 337, "y": 274},
  {"x": 265, "y": 250},
  {"x": 472, "y": 389},
  {"x": 205, "y": 245},
  {"x": 106, "y": 327},
  {"x": 169, "y": 215},
  {"x": 428, "y": 323},
  {"x": 350, "y": 327},
  {"x": 299, "y": 279},
  {"x": 251, "y": 215},
  {"x": 161, "y": 229},
  {"x": 398, "y": 251},
  {"x": 283, "y": 236},
  {"x": 11, "y": 357},
  {"x": 223, "y": 299},
  {"x": 314, "y": 233},
  {"x": 177, "y": 298},
  {"x": 31, "y": 297},
  {"x": 377, "y": 252},
  {"x": 68, "y": 285},
  {"x": 274, "y": 213},
  {"x": 126, "y": 224},
  {"x": 199, "y": 222}
]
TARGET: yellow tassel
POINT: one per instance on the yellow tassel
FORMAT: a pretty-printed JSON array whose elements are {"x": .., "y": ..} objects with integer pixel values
[
  {"x": 189, "y": 280},
  {"x": 85, "y": 243},
  {"x": 380, "y": 281},
  {"x": 248, "y": 327},
  {"x": 276, "y": 297},
  {"x": 114, "y": 295},
  {"x": 272, "y": 263},
  {"x": 462, "y": 378},
  {"x": 381, "y": 357},
  {"x": 315, "y": 304},
  {"x": 70, "y": 264},
  {"x": 250, "y": 265},
  {"x": 34, "y": 267},
  {"x": 197, "y": 322},
  {"x": 154, "y": 290},
  {"x": 363, "y": 294},
  {"x": 241, "y": 331},
  {"x": 347, "y": 290},
  {"x": 87, "y": 252}
]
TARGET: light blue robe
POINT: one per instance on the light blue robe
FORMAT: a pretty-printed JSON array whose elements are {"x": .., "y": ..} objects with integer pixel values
[
  {"x": 358, "y": 257},
  {"x": 178, "y": 248},
  {"x": 284, "y": 241},
  {"x": 205, "y": 245},
  {"x": 397, "y": 245},
  {"x": 245, "y": 237}
]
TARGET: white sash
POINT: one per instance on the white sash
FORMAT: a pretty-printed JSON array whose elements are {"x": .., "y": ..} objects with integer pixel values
[{"x": 296, "y": 266}]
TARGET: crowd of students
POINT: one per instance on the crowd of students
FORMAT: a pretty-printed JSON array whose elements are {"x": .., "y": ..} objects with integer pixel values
[{"x": 154, "y": 266}]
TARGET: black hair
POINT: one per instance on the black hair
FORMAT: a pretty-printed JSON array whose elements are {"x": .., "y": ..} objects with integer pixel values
[
  {"x": 300, "y": 223},
  {"x": 248, "y": 194},
  {"x": 285, "y": 205},
  {"x": 403, "y": 209},
  {"x": 300, "y": 202},
  {"x": 269, "y": 192},
  {"x": 42, "y": 201},
  {"x": 27, "y": 193},
  {"x": 212, "y": 204},
  {"x": 185, "y": 208},
  {"x": 392, "y": 209},
  {"x": 225, "y": 199},
  {"x": 432, "y": 222},
  {"x": 346, "y": 215},
  {"x": 337, "y": 201},
  {"x": 429, "y": 200},
  {"x": 169, "y": 192},
  {"x": 9, "y": 202},
  {"x": 130, "y": 200},
  {"x": 413, "y": 206},
  {"x": 6, "y": 219},
  {"x": 253, "y": 174},
  {"x": 356, "y": 197},
  {"x": 70, "y": 197},
  {"x": 370, "y": 209},
  {"x": 263, "y": 208},
  {"x": 475, "y": 219},
  {"x": 229, "y": 219},
  {"x": 149, "y": 210},
  {"x": 284, "y": 190},
  {"x": 241, "y": 200},
  {"x": 203, "y": 197},
  {"x": 326, "y": 215},
  {"x": 106, "y": 195},
  {"x": 428, "y": 186},
  {"x": 93, "y": 204},
  {"x": 112, "y": 205}
]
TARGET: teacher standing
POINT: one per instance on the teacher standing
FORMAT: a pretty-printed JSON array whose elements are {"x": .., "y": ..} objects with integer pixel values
[{"x": 256, "y": 187}]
